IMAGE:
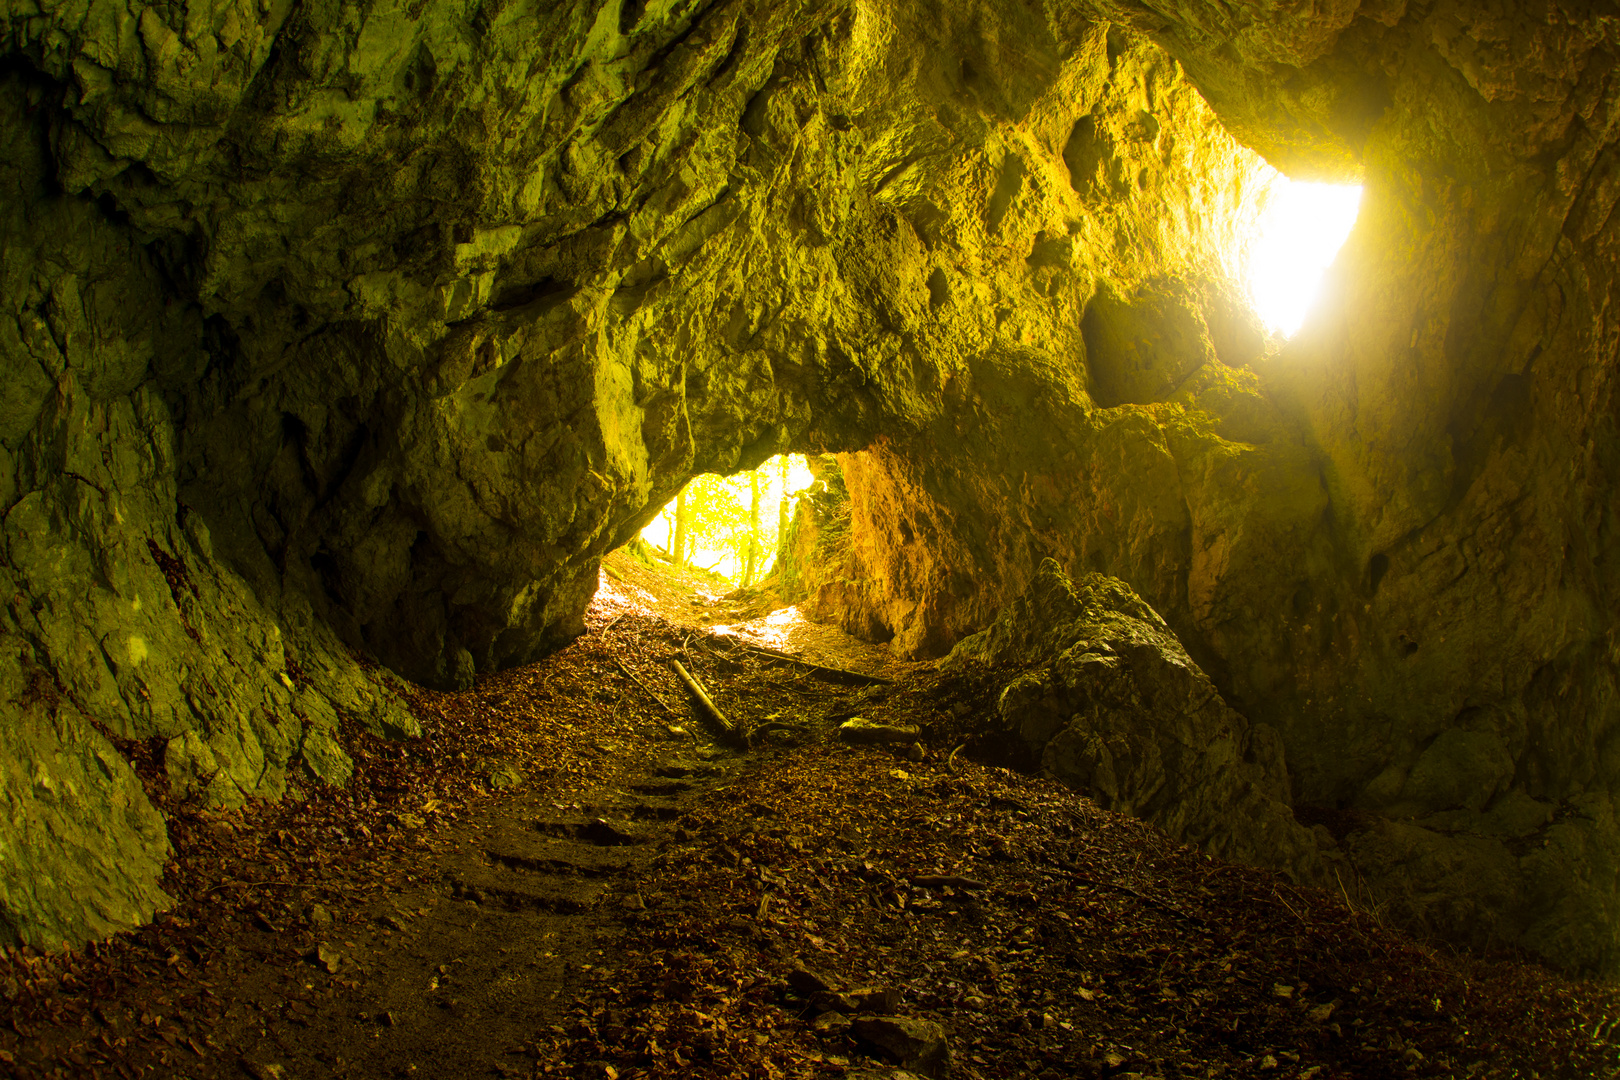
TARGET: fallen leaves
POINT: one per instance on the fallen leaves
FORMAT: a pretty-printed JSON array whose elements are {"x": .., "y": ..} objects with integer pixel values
[{"x": 826, "y": 908}]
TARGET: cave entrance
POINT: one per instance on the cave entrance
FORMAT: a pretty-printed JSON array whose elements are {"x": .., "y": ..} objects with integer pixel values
[
  {"x": 1299, "y": 233},
  {"x": 731, "y": 526}
]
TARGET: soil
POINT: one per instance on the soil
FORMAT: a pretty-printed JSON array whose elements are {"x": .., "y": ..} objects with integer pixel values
[{"x": 573, "y": 873}]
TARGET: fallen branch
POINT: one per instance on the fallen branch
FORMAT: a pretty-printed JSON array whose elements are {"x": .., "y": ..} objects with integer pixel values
[
  {"x": 1142, "y": 896},
  {"x": 941, "y": 881},
  {"x": 811, "y": 664},
  {"x": 645, "y": 687},
  {"x": 708, "y": 704},
  {"x": 270, "y": 885}
]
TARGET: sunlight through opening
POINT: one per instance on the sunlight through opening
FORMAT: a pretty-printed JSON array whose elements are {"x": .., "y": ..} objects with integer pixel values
[
  {"x": 1300, "y": 232},
  {"x": 721, "y": 530}
]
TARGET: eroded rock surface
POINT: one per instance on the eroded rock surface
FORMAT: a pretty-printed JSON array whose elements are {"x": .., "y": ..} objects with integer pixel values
[
  {"x": 1390, "y": 537},
  {"x": 1116, "y": 707}
]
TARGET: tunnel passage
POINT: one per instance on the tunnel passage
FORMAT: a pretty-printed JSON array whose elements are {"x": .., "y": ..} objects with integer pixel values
[{"x": 384, "y": 347}]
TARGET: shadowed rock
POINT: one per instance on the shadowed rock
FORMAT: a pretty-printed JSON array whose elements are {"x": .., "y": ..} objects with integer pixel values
[{"x": 1116, "y": 707}]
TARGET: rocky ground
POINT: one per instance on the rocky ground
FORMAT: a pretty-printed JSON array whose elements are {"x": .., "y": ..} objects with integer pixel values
[{"x": 573, "y": 874}]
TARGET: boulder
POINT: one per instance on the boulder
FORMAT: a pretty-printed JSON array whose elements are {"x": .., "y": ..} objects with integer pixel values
[
  {"x": 1113, "y": 705},
  {"x": 916, "y": 1045}
]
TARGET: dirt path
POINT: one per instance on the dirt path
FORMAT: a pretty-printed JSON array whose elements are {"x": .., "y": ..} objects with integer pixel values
[
  {"x": 569, "y": 875},
  {"x": 456, "y": 975}
]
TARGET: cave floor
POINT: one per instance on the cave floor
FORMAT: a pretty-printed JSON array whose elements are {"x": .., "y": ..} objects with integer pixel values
[{"x": 568, "y": 876}]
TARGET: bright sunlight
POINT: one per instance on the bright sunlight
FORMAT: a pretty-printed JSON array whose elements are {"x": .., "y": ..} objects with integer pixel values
[
  {"x": 1300, "y": 233},
  {"x": 731, "y": 524}
]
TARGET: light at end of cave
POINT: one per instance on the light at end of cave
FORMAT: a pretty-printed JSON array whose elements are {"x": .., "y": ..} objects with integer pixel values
[
  {"x": 1299, "y": 234},
  {"x": 719, "y": 519}
]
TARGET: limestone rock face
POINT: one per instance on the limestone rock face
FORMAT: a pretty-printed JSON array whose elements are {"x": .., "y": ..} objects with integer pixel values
[
  {"x": 1390, "y": 537},
  {"x": 1117, "y": 708},
  {"x": 83, "y": 847}
]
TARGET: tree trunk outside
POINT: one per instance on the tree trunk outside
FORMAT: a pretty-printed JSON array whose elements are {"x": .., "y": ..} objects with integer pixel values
[
  {"x": 752, "y": 562},
  {"x": 677, "y": 545},
  {"x": 782, "y": 511}
]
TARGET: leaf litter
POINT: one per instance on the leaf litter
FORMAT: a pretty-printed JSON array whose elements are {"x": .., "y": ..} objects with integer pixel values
[{"x": 561, "y": 878}]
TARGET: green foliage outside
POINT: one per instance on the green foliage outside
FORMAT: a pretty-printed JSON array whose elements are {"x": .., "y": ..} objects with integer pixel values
[{"x": 732, "y": 523}]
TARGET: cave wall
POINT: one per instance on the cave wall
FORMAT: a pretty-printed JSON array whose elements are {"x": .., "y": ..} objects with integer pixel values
[
  {"x": 337, "y": 332},
  {"x": 1404, "y": 558},
  {"x": 341, "y": 331}
]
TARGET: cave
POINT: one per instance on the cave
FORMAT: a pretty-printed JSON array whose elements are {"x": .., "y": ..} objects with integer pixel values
[{"x": 343, "y": 342}]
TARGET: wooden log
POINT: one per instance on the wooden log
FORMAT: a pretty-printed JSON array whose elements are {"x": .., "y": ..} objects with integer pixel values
[
  {"x": 938, "y": 881},
  {"x": 645, "y": 687},
  {"x": 708, "y": 703},
  {"x": 845, "y": 672}
]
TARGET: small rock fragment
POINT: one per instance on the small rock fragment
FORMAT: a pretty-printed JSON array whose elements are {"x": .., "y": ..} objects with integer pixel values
[
  {"x": 263, "y": 1070},
  {"x": 832, "y": 1001},
  {"x": 876, "y": 999},
  {"x": 328, "y": 958},
  {"x": 319, "y": 916},
  {"x": 505, "y": 775},
  {"x": 831, "y": 1023},
  {"x": 916, "y": 1044},
  {"x": 807, "y": 982},
  {"x": 1321, "y": 1013},
  {"x": 915, "y": 752}
]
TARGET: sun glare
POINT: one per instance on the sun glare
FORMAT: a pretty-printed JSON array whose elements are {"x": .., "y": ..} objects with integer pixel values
[
  {"x": 1300, "y": 233},
  {"x": 734, "y": 492}
]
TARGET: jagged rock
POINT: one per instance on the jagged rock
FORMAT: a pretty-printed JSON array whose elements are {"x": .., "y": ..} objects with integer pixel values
[
  {"x": 1117, "y": 708},
  {"x": 918, "y": 1045},
  {"x": 805, "y": 981},
  {"x": 84, "y": 847}
]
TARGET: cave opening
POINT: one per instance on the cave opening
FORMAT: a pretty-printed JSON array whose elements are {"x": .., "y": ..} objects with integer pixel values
[
  {"x": 731, "y": 525},
  {"x": 1297, "y": 237}
]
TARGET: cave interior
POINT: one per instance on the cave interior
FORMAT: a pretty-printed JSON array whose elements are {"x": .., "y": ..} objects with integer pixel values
[{"x": 344, "y": 340}]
